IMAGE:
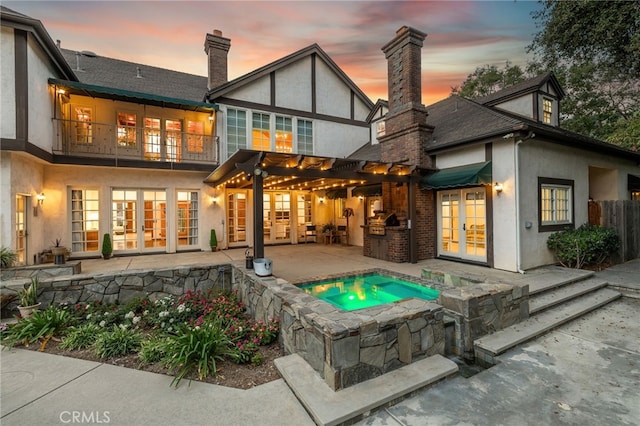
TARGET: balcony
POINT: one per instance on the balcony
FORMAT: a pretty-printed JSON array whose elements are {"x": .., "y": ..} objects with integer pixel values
[{"x": 108, "y": 141}]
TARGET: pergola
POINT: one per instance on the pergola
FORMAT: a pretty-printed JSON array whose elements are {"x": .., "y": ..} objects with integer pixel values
[{"x": 260, "y": 170}]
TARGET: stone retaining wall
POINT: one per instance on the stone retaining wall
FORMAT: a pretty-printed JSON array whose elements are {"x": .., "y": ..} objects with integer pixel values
[{"x": 123, "y": 286}]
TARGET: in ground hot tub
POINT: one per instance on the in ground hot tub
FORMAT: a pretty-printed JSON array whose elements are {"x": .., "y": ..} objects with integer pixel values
[{"x": 364, "y": 291}]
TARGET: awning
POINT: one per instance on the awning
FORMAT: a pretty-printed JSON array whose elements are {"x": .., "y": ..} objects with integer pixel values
[
  {"x": 367, "y": 191},
  {"x": 334, "y": 194},
  {"x": 131, "y": 96},
  {"x": 633, "y": 183},
  {"x": 471, "y": 174}
]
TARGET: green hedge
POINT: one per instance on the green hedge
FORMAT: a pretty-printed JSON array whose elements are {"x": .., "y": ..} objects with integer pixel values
[{"x": 587, "y": 245}]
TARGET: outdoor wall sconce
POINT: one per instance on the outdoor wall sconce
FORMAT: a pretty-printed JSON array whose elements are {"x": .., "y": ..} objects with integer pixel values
[
  {"x": 498, "y": 187},
  {"x": 360, "y": 197},
  {"x": 214, "y": 201},
  {"x": 40, "y": 200},
  {"x": 321, "y": 200}
]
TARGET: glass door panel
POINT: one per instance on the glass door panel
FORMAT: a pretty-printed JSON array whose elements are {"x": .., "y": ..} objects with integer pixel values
[
  {"x": 21, "y": 230},
  {"x": 475, "y": 220},
  {"x": 187, "y": 217},
  {"x": 282, "y": 213},
  {"x": 237, "y": 218},
  {"x": 268, "y": 220},
  {"x": 123, "y": 219},
  {"x": 449, "y": 223},
  {"x": 155, "y": 219}
]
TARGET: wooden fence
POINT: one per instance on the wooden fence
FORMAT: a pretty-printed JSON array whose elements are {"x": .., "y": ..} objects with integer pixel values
[{"x": 624, "y": 217}]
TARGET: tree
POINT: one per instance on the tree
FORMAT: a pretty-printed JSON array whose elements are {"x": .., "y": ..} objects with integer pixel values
[
  {"x": 593, "y": 47},
  {"x": 489, "y": 79}
]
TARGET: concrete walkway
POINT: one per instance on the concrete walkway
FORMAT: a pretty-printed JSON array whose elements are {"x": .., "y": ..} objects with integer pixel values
[{"x": 585, "y": 372}]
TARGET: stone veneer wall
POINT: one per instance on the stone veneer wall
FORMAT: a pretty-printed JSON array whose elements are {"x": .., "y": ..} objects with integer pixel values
[
  {"x": 346, "y": 348},
  {"x": 478, "y": 308},
  {"x": 123, "y": 286}
]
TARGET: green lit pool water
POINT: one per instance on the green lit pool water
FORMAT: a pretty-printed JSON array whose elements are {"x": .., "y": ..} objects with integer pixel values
[{"x": 359, "y": 292}]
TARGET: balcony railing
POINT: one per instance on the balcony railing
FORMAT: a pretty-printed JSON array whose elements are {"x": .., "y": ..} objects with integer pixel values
[{"x": 99, "y": 140}]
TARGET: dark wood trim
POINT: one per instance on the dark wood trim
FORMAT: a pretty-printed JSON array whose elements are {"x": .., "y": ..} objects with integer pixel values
[
  {"x": 294, "y": 112},
  {"x": 258, "y": 217},
  {"x": 272, "y": 79},
  {"x": 562, "y": 226},
  {"x": 24, "y": 146},
  {"x": 353, "y": 105},
  {"x": 21, "y": 84},
  {"x": 536, "y": 108},
  {"x": 489, "y": 225},
  {"x": 313, "y": 84},
  {"x": 488, "y": 153}
]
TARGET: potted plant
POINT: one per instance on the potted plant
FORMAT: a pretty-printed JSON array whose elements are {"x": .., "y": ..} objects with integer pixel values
[
  {"x": 107, "y": 248},
  {"x": 213, "y": 240},
  {"x": 29, "y": 299},
  {"x": 7, "y": 257},
  {"x": 59, "y": 252}
]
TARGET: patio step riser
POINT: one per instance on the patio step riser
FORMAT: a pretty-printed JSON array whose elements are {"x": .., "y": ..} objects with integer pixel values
[{"x": 551, "y": 298}]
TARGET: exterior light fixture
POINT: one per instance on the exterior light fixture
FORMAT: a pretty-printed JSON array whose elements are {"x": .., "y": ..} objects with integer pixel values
[
  {"x": 41, "y": 197},
  {"x": 321, "y": 200},
  {"x": 498, "y": 187}
]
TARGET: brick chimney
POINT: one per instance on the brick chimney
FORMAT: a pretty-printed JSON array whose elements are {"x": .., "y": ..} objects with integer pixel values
[
  {"x": 217, "y": 47},
  {"x": 405, "y": 126}
]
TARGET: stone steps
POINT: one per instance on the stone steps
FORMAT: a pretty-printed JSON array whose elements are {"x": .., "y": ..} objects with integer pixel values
[
  {"x": 558, "y": 295},
  {"x": 329, "y": 407},
  {"x": 552, "y": 279},
  {"x": 488, "y": 347}
]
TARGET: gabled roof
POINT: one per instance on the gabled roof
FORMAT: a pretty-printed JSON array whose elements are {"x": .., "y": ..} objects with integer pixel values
[
  {"x": 17, "y": 20},
  {"x": 380, "y": 104},
  {"x": 522, "y": 88},
  {"x": 457, "y": 120},
  {"x": 313, "y": 49},
  {"x": 130, "y": 76}
]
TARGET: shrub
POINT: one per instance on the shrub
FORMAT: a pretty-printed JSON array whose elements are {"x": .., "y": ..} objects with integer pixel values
[
  {"x": 119, "y": 341},
  {"x": 153, "y": 350},
  {"x": 7, "y": 257},
  {"x": 107, "y": 248},
  {"x": 197, "y": 349},
  {"x": 586, "y": 245},
  {"x": 81, "y": 337},
  {"x": 42, "y": 324}
]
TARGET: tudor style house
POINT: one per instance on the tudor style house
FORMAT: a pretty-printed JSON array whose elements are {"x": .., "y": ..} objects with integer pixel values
[{"x": 157, "y": 158}]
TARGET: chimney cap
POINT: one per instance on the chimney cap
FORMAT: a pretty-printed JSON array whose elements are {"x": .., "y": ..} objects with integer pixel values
[{"x": 217, "y": 33}]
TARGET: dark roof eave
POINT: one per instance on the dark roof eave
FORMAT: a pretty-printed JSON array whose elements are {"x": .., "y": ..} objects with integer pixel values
[
  {"x": 131, "y": 96},
  {"x": 36, "y": 28}
]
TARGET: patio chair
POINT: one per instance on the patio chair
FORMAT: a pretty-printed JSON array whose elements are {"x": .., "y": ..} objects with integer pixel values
[{"x": 341, "y": 234}]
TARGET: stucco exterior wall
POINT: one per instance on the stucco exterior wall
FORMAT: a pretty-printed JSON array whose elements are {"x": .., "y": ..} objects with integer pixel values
[
  {"x": 336, "y": 139},
  {"x": 461, "y": 157},
  {"x": 505, "y": 225},
  {"x": 293, "y": 86},
  {"x": 258, "y": 91},
  {"x": 40, "y": 98},
  {"x": 333, "y": 96},
  {"x": 7, "y": 84},
  {"x": 522, "y": 105},
  {"x": 61, "y": 179},
  {"x": 542, "y": 159}
]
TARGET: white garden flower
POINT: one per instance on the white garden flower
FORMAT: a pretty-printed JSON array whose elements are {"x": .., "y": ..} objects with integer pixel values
[
  {"x": 136, "y": 320},
  {"x": 124, "y": 326},
  {"x": 129, "y": 315},
  {"x": 181, "y": 308},
  {"x": 88, "y": 316},
  {"x": 171, "y": 321},
  {"x": 103, "y": 323}
]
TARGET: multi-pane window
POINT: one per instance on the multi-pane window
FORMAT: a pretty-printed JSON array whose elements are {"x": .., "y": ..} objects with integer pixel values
[
  {"x": 556, "y": 203},
  {"x": 152, "y": 139},
  {"x": 547, "y": 111},
  {"x": 127, "y": 129},
  {"x": 261, "y": 135},
  {"x": 380, "y": 128},
  {"x": 173, "y": 139},
  {"x": 303, "y": 208},
  {"x": 195, "y": 136},
  {"x": 85, "y": 219},
  {"x": 187, "y": 210},
  {"x": 305, "y": 137},
  {"x": 284, "y": 134},
  {"x": 84, "y": 129},
  {"x": 635, "y": 195},
  {"x": 236, "y": 130}
]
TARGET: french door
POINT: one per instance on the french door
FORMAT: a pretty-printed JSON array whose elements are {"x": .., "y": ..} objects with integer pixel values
[
  {"x": 237, "y": 218},
  {"x": 462, "y": 224},
  {"x": 21, "y": 229},
  {"x": 277, "y": 217},
  {"x": 139, "y": 220}
]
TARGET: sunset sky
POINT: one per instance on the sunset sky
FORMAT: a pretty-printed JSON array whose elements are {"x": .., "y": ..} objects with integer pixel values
[{"x": 462, "y": 35}]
